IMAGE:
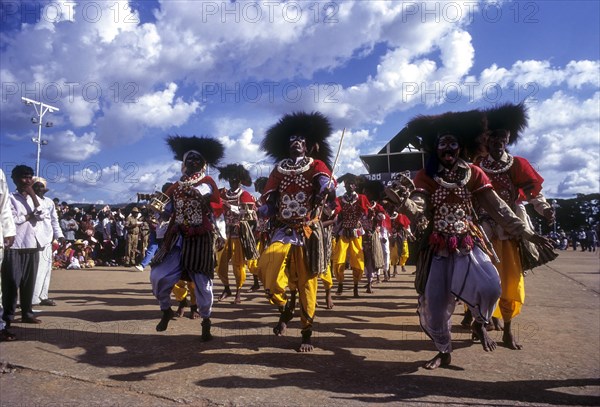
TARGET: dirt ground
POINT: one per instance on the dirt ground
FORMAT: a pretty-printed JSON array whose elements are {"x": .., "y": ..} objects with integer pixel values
[{"x": 99, "y": 347}]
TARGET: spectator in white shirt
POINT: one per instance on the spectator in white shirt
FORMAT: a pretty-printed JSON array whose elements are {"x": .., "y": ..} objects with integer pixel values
[
  {"x": 51, "y": 230},
  {"x": 19, "y": 268},
  {"x": 7, "y": 238}
]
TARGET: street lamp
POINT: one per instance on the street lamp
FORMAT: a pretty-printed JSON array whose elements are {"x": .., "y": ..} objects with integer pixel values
[
  {"x": 554, "y": 205},
  {"x": 41, "y": 109}
]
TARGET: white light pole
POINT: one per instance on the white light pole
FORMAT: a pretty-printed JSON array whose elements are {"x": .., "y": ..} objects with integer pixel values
[
  {"x": 554, "y": 205},
  {"x": 40, "y": 109}
]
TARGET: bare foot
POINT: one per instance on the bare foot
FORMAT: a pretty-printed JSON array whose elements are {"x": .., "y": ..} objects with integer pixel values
[
  {"x": 226, "y": 293},
  {"x": 498, "y": 324},
  {"x": 328, "y": 300},
  {"x": 164, "y": 321},
  {"x": 487, "y": 343},
  {"x": 280, "y": 328},
  {"x": 238, "y": 298},
  {"x": 440, "y": 360},
  {"x": 194, "y": 314},
  {"x": 254, "y": 288},
  {"x": 509, "y": 340},
  {"x": 306, "y": 347},
  {"x": 181, "y": 308}
]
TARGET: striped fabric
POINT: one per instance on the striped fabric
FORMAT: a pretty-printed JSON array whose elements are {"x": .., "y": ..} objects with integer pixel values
[{"x": 198, "y": 255}]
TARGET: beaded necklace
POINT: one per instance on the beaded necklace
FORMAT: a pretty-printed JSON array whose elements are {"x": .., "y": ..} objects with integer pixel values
[
  {"x": 192, "y": 179},
  {"x": 289, "y": 167},
  {"x": 503, "y": 168},
  {"x": 349, "y": 199},
  {"x": 235, "y": 195},
  {"x": 454, "y": 185}
]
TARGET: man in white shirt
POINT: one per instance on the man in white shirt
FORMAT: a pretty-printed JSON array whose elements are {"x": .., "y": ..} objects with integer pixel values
[
  {"x": 50, "y": 230},
  {"x": 7, "y": 238},
  {"x": 19, "y": 268}
]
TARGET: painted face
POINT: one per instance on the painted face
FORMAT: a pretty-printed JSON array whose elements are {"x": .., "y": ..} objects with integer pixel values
[
  {"x": 193, "y": 162},
  {"x": 448, "y": 150},
  {"x": 234, "y": 183},
  {"x": 497, "y": 142},
  {"x": 297, "y": 145},
  {"x": 350, "y": 187}
]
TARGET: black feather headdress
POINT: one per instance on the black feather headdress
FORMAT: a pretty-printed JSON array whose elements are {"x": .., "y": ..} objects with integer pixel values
[
  {"x": 315, "y": 128},
  {"x": 509, "y": 117},
  {"x": 374, "y": 190},
  {"x": 467, "y": 127},
  {"x": 349, "y": 178},
  {"x": 260, "y": 183},
  {"x": 236, "y": 171},
  {"x": 211, "y": 149}
]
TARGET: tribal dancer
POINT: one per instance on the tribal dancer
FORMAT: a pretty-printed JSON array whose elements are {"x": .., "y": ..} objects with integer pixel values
[
  {"x": 296, "y": 188},
  {"x": 261, "y": 235},
  {"x": 189, "y": 244},
  {"x": 239, "y": 206},
  {"x": 514, "y": 179},
  {"x": 454, "y": 265},
  {"x": 351, "y": 207},
  {"x": 372, "y": 225},
  {"x": 400, "y": 235}
]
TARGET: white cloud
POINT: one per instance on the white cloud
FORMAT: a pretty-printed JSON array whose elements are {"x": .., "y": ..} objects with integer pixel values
[
  {"x": 67, "y": 146},
  {"x": 563, "y": 142}
]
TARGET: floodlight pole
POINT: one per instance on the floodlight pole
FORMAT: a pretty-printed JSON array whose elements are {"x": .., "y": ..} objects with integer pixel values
[{"x": 41, "y": 109}]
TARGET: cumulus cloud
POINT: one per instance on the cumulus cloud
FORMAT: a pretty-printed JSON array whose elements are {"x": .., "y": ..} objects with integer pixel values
[
  {"x": 563, "y": 142},
  {"x": 119, "y": 81}
]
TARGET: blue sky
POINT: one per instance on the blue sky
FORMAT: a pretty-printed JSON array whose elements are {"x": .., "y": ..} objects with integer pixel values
[{"x": 127, "y": 74}]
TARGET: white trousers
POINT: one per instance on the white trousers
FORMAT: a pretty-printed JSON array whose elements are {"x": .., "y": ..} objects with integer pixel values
[
  {"x": 165, "y": 275},
  {"x": 471, "y": 278},
  {"x": 42, "y": 281}
]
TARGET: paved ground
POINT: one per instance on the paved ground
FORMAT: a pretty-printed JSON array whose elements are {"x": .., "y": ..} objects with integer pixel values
[{"x": 99, "y": 347}]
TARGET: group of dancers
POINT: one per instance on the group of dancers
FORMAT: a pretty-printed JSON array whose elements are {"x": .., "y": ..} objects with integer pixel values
[{"x": 466, "y": 208}]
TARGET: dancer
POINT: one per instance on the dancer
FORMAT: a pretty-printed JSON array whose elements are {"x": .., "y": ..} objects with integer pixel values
[
  {"x": 296, "y": 187},
  {"x": 351, "y": 207},
  {"x": 372, "y": 224},
  {"x": 454, "y": 264},
  {"x": 513, "y": 179},
  {"x": 189, "y": 244},
  {"x": 239, "y": 207}
]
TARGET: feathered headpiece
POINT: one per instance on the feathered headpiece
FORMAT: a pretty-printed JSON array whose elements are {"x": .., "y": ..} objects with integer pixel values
[
  {"x": 509, "y": 117},
  {"x": 467, "y": 127},
  {"x": 350, "y": 178},
  {"x": 235, "y": 171},
  {"x": 260, "y": 184},
  {"x": 209, "y": 148},
  {"x": 313, "y": 126},
  {"x": 374, "y": 190}
]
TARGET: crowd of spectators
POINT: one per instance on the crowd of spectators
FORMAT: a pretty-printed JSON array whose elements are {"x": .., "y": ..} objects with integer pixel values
[
  {"x": 104, "y": 237},
  {"x": 584, "y": 238}
]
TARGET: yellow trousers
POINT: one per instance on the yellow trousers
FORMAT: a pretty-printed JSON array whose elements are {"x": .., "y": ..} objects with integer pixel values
[
  {"x": 283, "y": 265},
  {"x": 232, "y": 251},
  {"x": 511, "y": 279},
  {"x": 350, "y": 248},
  {"x": 399, "y": 257},
  {"x": 253, "y": 264},
  {"x": 182, "y": 289}
]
